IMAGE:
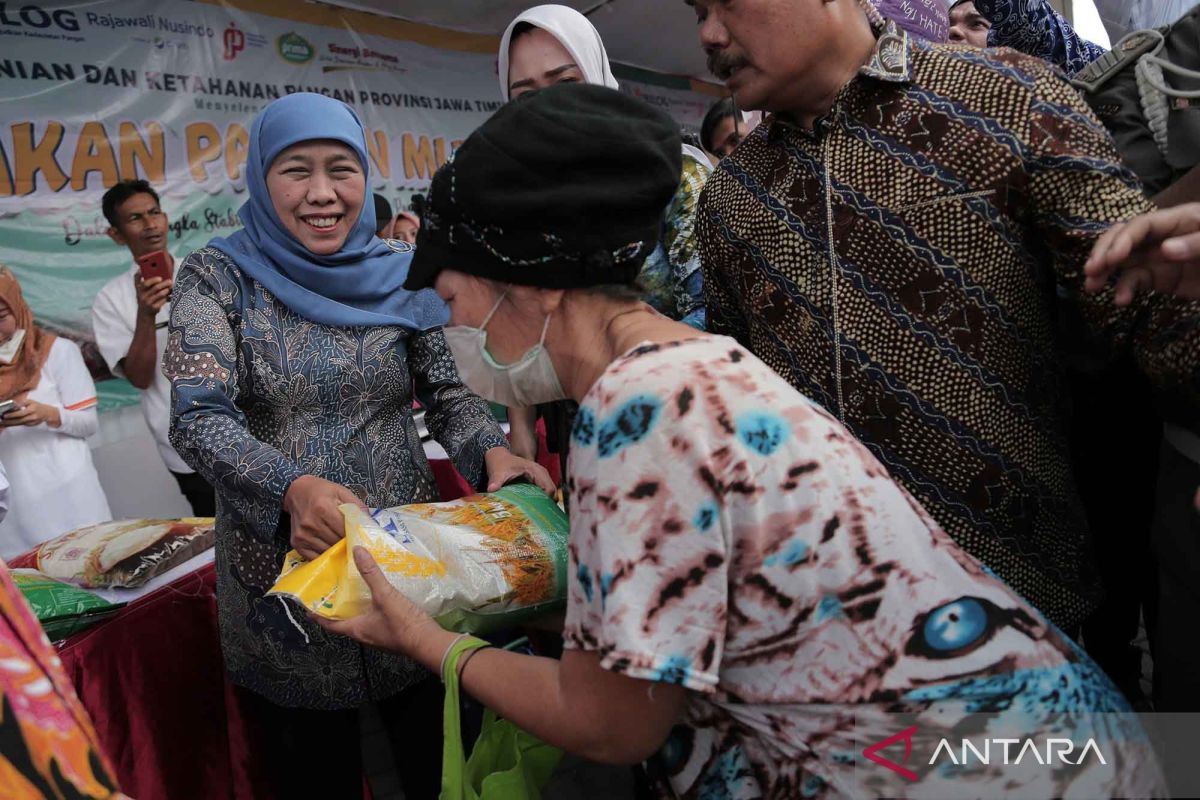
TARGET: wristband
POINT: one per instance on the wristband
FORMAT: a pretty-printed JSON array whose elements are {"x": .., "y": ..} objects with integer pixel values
[
  {"x": 466, "y": 657},
  {"x": 445, "y": 655}
]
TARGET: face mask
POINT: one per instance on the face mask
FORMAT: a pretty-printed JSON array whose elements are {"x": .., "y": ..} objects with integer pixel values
[
  {"x": 528, "y": 381},
  {"x": 8, "y": 350}
]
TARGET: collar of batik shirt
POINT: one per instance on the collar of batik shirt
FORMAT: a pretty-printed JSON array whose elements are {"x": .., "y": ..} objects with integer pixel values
[{"x": 890, "y": 61}]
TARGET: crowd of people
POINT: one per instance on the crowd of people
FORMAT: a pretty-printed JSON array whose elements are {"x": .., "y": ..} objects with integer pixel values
[{"x": 861, "y": 404}]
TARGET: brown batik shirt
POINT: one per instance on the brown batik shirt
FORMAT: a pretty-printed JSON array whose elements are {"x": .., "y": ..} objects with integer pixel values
[{"x": 898, "y": 264}]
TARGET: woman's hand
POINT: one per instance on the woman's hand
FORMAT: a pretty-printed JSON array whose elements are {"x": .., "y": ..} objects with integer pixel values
[
  {"x": 503, "y": 467},
  {"x": 317, "y": 524},
  {"x": 32, "y": 413},
  {"x": 393, "y": 622}
]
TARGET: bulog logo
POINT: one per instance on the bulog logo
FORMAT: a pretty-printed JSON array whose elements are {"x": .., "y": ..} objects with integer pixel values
[{"x": 31, "y": 16}]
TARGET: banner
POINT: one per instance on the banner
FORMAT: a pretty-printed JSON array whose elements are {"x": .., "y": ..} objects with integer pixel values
[{"x": 93, "y": 93}]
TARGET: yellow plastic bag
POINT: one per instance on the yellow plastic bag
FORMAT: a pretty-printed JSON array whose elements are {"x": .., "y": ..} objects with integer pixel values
[{"x": 476, "y": 564}]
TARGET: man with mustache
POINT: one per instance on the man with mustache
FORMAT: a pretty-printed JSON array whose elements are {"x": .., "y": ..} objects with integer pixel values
[
  {"x": 889, "y": 240},
  {"x": 129, "y": 317}
]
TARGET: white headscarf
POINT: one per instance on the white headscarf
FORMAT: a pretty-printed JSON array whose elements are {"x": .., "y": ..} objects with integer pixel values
[{"x": 574, "y": 32}]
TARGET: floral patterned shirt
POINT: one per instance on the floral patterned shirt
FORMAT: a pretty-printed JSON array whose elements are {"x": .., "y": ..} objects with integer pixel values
[
  {"x": 261, "y": 396},
  {"x": 730, "y": 536},
  {"x": 671, "y": 276}
]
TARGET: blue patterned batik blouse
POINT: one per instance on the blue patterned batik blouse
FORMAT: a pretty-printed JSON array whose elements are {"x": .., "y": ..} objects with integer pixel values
[{"x": 261, "y": 396}]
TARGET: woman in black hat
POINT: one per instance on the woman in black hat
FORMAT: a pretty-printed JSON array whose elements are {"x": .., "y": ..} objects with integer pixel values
[
  {"x": 749, "y": 592},
  {"x": 549, "y": 44}
]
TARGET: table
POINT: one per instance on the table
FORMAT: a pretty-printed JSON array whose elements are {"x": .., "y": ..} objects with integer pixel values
[{"x": 153, "y": 681}]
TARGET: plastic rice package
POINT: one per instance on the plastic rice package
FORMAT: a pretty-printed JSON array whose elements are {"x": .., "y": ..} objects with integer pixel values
[
  {"x": 476, "y": 564},
  {"x": 124, "y": 553},
  {"x": 62, "y": 609}
]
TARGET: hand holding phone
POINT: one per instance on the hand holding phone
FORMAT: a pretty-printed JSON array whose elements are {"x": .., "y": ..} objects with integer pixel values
[
  {"x": 154, "y": 286},
  {"x": 6, "y": 406},
  {"x": 155, "y": 265}
]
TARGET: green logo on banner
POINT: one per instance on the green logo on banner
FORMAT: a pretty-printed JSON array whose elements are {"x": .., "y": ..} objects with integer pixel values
[{"x": 295, "y": 48}]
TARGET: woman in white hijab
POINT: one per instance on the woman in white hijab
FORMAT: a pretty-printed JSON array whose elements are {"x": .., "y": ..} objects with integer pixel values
[
  {"x": 552, "y": 44},
  {"x": 572, "y": 31}
]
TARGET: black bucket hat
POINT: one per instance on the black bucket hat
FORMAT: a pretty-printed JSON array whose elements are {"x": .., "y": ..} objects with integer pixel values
[{"x": 563, "y": 188}]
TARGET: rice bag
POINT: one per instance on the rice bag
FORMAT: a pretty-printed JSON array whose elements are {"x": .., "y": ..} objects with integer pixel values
[
  {"x": 475, "y": 564},
  {"x": 62, "y": 609},
  {"x": 124, "y": 553}
]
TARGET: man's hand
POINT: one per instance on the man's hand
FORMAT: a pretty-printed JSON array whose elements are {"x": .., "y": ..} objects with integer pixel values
[
  {"x": 317, "y": 524},
  {"x": 503, "y": 467},
  {"x": 152, "y": 295},
  {"x": 140, "y": 363},
  {"x": 32, "y": 413},
  {"x": 1159, "y": 251}
]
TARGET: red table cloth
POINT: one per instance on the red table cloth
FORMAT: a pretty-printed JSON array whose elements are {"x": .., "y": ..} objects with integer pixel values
[{"x": 153, "y": 681}]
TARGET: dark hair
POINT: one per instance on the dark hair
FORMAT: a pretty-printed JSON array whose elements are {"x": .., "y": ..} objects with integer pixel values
[
  {"x": 520, "y": 30},
  {"x": 417, "y": 205},
  {"x": 383, "y": 210},
  {"x": 121, "y": 192},
  {"x": 716, "y": 112}
]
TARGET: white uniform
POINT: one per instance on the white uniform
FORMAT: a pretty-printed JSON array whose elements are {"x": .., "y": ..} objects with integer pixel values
[
  {"x": 54, "y": 487},
  {"x": 114, "y": 316}
]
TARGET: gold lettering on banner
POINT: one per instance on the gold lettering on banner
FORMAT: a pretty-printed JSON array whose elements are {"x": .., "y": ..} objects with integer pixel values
[
  {"x": 420, "y": 160},
  {"x": 30, "y": 159},
  {"x": 6, "y": 185},
  {"x": 237, "y": 142},
  {"x": 377, "y": 147},
  {"x": 203, "y": 147},
  {"x": 134, "y": 151},
  {"x": 93, "y": 153}
]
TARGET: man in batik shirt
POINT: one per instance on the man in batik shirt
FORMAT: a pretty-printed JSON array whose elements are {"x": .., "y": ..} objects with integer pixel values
[{"x": 890, "y": 240}]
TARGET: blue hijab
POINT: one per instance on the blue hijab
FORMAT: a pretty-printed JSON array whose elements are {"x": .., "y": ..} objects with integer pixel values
[{"x": 360, "y": 284}]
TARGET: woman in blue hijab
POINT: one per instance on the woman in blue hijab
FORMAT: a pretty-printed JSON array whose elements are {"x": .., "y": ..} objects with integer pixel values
[{"x": 295, "y": 355}]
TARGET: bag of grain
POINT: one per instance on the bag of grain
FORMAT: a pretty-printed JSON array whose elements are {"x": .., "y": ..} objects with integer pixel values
[{"x": 476, "y": 564}]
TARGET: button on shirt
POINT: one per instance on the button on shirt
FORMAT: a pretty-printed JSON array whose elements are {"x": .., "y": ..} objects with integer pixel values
[{"x": 114, "y": 316}]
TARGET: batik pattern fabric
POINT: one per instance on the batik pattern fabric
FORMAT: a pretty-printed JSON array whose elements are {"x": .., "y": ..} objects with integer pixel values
[
  {"x": 1035, "y": 28},
  {"x": 261, "y": 396},
  {"x": 671, "y": 276},
  {"x": 48, "y": 747},
  {"x": 728, "y": 535},
  {"x": 898, "y": 264}
]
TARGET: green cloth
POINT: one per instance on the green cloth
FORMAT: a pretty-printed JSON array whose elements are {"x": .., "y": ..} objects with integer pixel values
[{"x": 506, "y": 763}]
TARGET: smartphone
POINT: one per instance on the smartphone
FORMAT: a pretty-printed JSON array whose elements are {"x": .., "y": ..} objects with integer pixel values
[
  {"x": 6, "y": 406},
  {"x": 155, "y": 265}
]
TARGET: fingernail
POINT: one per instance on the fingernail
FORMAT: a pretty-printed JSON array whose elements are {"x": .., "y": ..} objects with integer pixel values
[{"x": 1175, "y": 247}]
